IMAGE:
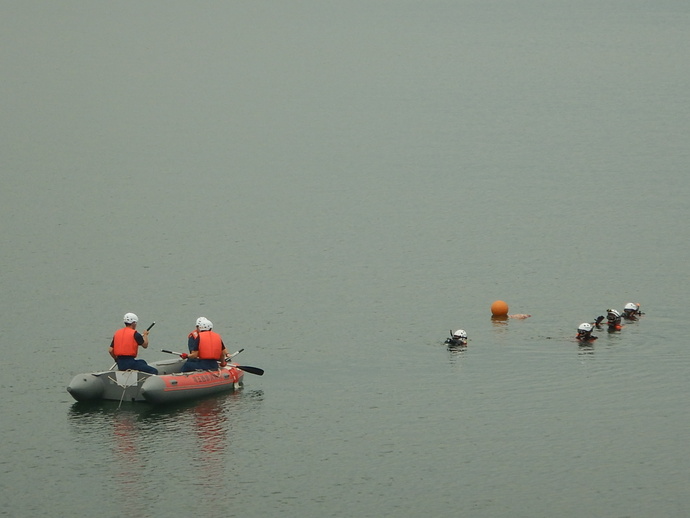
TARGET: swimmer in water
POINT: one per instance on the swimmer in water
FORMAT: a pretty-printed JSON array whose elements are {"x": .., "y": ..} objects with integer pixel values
[
  {"x": 613, "y": 318},
  {"x": 457, "y": 338},
  {"x": 584, "y": 332},
  {"x": 631, "y": 311}
]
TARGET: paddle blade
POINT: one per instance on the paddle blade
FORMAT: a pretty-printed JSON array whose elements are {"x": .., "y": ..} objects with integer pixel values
[{"x": 251, "y": 370}]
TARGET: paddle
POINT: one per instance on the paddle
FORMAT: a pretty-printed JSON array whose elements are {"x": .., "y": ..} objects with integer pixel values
[
  {"x": 227, "y": 358},
  {"x": 251, "y": 370},
  {"x": 148, "y": 329},
  {"x": 233, "y": 355}
]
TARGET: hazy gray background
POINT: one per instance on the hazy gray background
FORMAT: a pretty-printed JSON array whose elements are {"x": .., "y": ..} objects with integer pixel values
[{"x": 335, "y": 185}]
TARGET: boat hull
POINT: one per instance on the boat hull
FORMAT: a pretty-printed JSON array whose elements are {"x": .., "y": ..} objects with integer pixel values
[
  {"x": 169, "y": 386},
  {"x": 191, "y": 385}
]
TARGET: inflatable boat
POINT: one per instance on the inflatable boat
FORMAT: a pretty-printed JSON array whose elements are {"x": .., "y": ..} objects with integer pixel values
[{"x": 170, "y": 385}]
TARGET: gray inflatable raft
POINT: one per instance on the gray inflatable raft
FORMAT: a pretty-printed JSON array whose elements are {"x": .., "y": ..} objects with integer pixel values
[{"x": 118, "y": 385}]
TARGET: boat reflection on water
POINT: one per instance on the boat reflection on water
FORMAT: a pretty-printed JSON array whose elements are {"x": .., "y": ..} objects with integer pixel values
[
  {"x": 184, "y": 443},
  {"x": 128, "y": 444},
  {"x": 209, "y": 442},
  {"x": 129, "y": 463}
]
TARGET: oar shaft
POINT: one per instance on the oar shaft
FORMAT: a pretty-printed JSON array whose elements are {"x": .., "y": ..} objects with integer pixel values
[
  {"x": 246, "y": 368},
  {"x": 233, "y": 354}
]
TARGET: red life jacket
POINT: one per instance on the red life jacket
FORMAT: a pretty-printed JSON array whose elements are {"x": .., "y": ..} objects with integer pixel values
[
  {"x": 124, "y": 343},
  {"x": 210, "y": 345}
]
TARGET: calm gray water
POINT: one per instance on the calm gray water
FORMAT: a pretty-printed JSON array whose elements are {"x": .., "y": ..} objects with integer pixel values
[{"x": 336, "y": 185}]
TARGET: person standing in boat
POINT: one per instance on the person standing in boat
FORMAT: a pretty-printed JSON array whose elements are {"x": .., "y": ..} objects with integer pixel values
[
  {"x": 125, "y": 346},
  {"x": 206, "y": 350}
]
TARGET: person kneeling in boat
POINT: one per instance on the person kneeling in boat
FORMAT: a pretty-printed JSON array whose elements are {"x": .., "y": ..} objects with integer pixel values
[
  {"x": 584, "y": 332},
  {"x": 125, "y": 346},
  {"x": 207, "y": 350}
]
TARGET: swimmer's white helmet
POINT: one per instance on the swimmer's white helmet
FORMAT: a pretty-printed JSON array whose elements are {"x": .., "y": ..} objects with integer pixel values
[
  {"x": 613, "y": 312},
  {"x": 460, "y": 333}
]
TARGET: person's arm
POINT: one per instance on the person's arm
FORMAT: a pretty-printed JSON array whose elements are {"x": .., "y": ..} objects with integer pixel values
[
  {"x": 223, "y": 354},
  {"x": 193, "y": 348},
  {"x": 111, "y": 351},
  {"x": 142, "y": 339}
]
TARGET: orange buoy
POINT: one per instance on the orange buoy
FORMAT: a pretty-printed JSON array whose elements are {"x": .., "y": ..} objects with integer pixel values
[{"x": 499, "y": 308}]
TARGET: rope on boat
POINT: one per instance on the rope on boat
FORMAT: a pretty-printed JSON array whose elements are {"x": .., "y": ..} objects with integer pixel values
[{"x": 124, "y": 387}]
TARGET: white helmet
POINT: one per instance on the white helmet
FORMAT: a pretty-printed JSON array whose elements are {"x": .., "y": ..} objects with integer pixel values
[
  {"x": 612, "y": 312},
  {"x": 460, "y": 333},
  {"x": 131, "y": 318},
  {"x": 206, "y": 325},
  {"x": 585, "y": 327},
  {"x": 631, "y": 305},
  {"x": 200, "y": 321}
]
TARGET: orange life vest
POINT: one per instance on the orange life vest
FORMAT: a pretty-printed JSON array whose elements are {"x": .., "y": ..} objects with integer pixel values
[
  {"x": 124, "y": 343},
  {"x": 210, "y": 345}
]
